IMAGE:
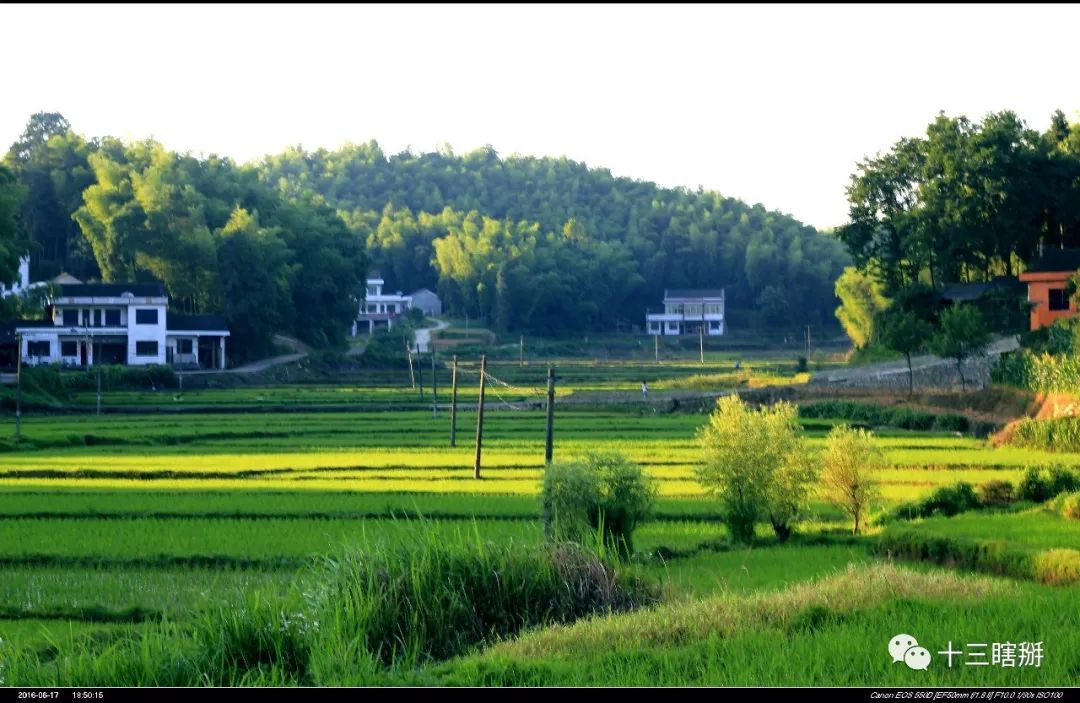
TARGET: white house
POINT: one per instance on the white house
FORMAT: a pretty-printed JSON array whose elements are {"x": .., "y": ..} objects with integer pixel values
[
  {"x": 689, "y": 312},
  {"x": 378, "y": 308},
  {"x": 120, "y": 323}
]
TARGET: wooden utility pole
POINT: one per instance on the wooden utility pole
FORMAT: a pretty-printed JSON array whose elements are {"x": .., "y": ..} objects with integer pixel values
[
  {"x": 434, "y": 385},
  {"x": 420, "y": 372},
  {"x": 656, "y": 347},
  {"x": 701, "y": 341},
  {"x": 550, "y": 415},
  {"x": 480, "y": 418},
  {"x": 453, "y": 403},
  {"x": 412, "y": 376},
  {"x": 99, "y": 390},
  {"x": 521, "y": 351},
  {"x": 18, "y": 389},
  {"x": 808, "y": 343}
]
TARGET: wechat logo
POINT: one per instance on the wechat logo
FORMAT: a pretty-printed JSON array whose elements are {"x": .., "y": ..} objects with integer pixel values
[{"x": 904, "y": 648}]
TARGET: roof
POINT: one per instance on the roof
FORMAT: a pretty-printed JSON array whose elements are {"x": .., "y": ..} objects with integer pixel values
[
  {"x": 1055, "y": 260},
  {"x": 195, "y": 323},
  {"x": 66, "y": 278},
  {"x": 112, "y": 290},
  {"x": 960, "y": 292},
  {"x": 694, "y": 293},
  {"x": 418, "y": 291}
]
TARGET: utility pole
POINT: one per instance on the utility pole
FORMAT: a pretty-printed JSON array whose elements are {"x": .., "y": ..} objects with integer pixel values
[
  {"x": 98, "y": 389},
  {"x": 808, "y": 343},
  {"x": 521, "y": 351},
  {"x": 18, "y": 389},
  {"x": 701, "y": 341},
  {"x": 480, "y": 417},
  {"x": 656, "y": 347},
  {"x": 453, "y": 402},
  {"x": 434, "y": 385},
  {"x": 550, "y": 415},
  {"x": 420, "y": 372},
  {"x": 412, "y": 377}
]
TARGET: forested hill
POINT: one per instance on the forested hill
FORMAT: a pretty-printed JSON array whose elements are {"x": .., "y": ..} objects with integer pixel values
[
  {"x": 549, "y": 245},
  {"x": 536, "y": 245}
]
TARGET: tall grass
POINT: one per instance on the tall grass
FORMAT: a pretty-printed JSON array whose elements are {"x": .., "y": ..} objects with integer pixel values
[{"x": 1058, "y": 435}]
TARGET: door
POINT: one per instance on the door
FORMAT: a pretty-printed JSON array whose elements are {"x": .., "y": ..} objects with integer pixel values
[{"x": 82, "y": 353}]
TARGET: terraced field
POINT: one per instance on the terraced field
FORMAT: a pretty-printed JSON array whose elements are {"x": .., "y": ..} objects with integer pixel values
[{"x": 113, "y": 524}]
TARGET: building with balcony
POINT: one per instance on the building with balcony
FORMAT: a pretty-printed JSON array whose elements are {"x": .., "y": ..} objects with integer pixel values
[
  {"x": 380, "y": 309},
  {"x": 120, "y": 323},
  {"x": 694, "y": 311}
]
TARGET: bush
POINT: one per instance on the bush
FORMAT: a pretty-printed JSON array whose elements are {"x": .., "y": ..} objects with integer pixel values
[
  {"x": 601, "y": 494},
  {"x": 947, "y": 500},
  {"x": 1035, "y": 486},
  {"x": 1070, "y": 506},
  {"x": 996, "y": 494},
  {"x": 881, "y": 416},
  {"x": 1041, "y": 484},
  {"x": 409, "y": 604}
]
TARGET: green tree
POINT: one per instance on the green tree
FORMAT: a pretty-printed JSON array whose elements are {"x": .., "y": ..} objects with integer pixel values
[
  {"x": 253, "y": 265},
  {"x": 904, "y": 332},
  {"x": 756, "y": 464},
  {"x": 963, "y": 335},
  {"x": 12, "y": 244},
  {"x": 850, "y": 464},
  {"x": 861, "y": 299}
]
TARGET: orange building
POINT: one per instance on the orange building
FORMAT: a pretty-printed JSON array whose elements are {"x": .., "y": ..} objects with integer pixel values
[{"x": 1047, "y": 278}]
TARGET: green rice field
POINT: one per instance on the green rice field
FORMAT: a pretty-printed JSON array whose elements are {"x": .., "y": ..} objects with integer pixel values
[{"x": 116, "y": 527}]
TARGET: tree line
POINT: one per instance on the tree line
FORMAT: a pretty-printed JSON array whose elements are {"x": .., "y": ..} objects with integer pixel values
[
  {"x": 537, "y": 245},
  {"x": 210, "y": 230}
]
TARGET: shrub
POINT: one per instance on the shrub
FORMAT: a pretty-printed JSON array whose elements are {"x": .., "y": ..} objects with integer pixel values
[
  {"x": 600, "y": 494},
  {"x": 410, "y": 604},
  {"x": 1035, "y": 486},
  {"x": 1041, "y": 484},
  {"x": 756, "y": 464},
  {"x": 996, "y": 494},
  {"x": 1070, "y": 506},
  {"x": 947, "y": 500}
]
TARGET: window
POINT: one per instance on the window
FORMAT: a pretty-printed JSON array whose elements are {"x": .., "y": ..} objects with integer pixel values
[
  {"x": 654, "y": 326},
  {"x": 97, "y": 318},
  {"x": 146, "y": 316},
  {"x": 112, "y": 318},
  {"x": 1058, "y": 299},
  {"x": 71, "y": 318},
  {"x": 39, "y": 348},
  {"x": 69, "y": 349},
  {"x": 183, "y": 346},
  {"x": 146, "y": 348}
]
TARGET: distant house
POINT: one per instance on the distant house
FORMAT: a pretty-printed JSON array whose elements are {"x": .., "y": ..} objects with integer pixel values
[
  {"x": 380, "y": 309},
  {"x": 1047, "y": 277},
  {"x": 689, "y": 312},
  {"x": 426, "y": 301},
  {"x": 120, "y": 323}
]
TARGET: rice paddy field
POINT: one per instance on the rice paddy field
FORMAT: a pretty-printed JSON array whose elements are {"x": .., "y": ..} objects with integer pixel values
[{"x": 126, "y": 527}]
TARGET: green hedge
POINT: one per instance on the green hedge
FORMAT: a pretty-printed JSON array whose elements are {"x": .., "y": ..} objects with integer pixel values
[{"x": 881, "y": 416}]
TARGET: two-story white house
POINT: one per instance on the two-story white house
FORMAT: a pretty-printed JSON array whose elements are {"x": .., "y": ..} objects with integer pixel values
[
  {"x": 120, "y": 323},
  {"x": 689, "y": 312}
]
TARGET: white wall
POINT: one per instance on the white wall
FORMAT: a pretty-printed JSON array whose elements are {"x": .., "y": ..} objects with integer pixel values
[{"x": 145, "y": 333}]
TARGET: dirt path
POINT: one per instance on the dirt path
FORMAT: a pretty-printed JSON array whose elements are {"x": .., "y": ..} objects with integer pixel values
[{"x": 423, "y": 336}]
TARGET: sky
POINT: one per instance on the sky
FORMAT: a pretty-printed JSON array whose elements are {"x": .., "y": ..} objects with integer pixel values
[{"x": 771, "y": 104}]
